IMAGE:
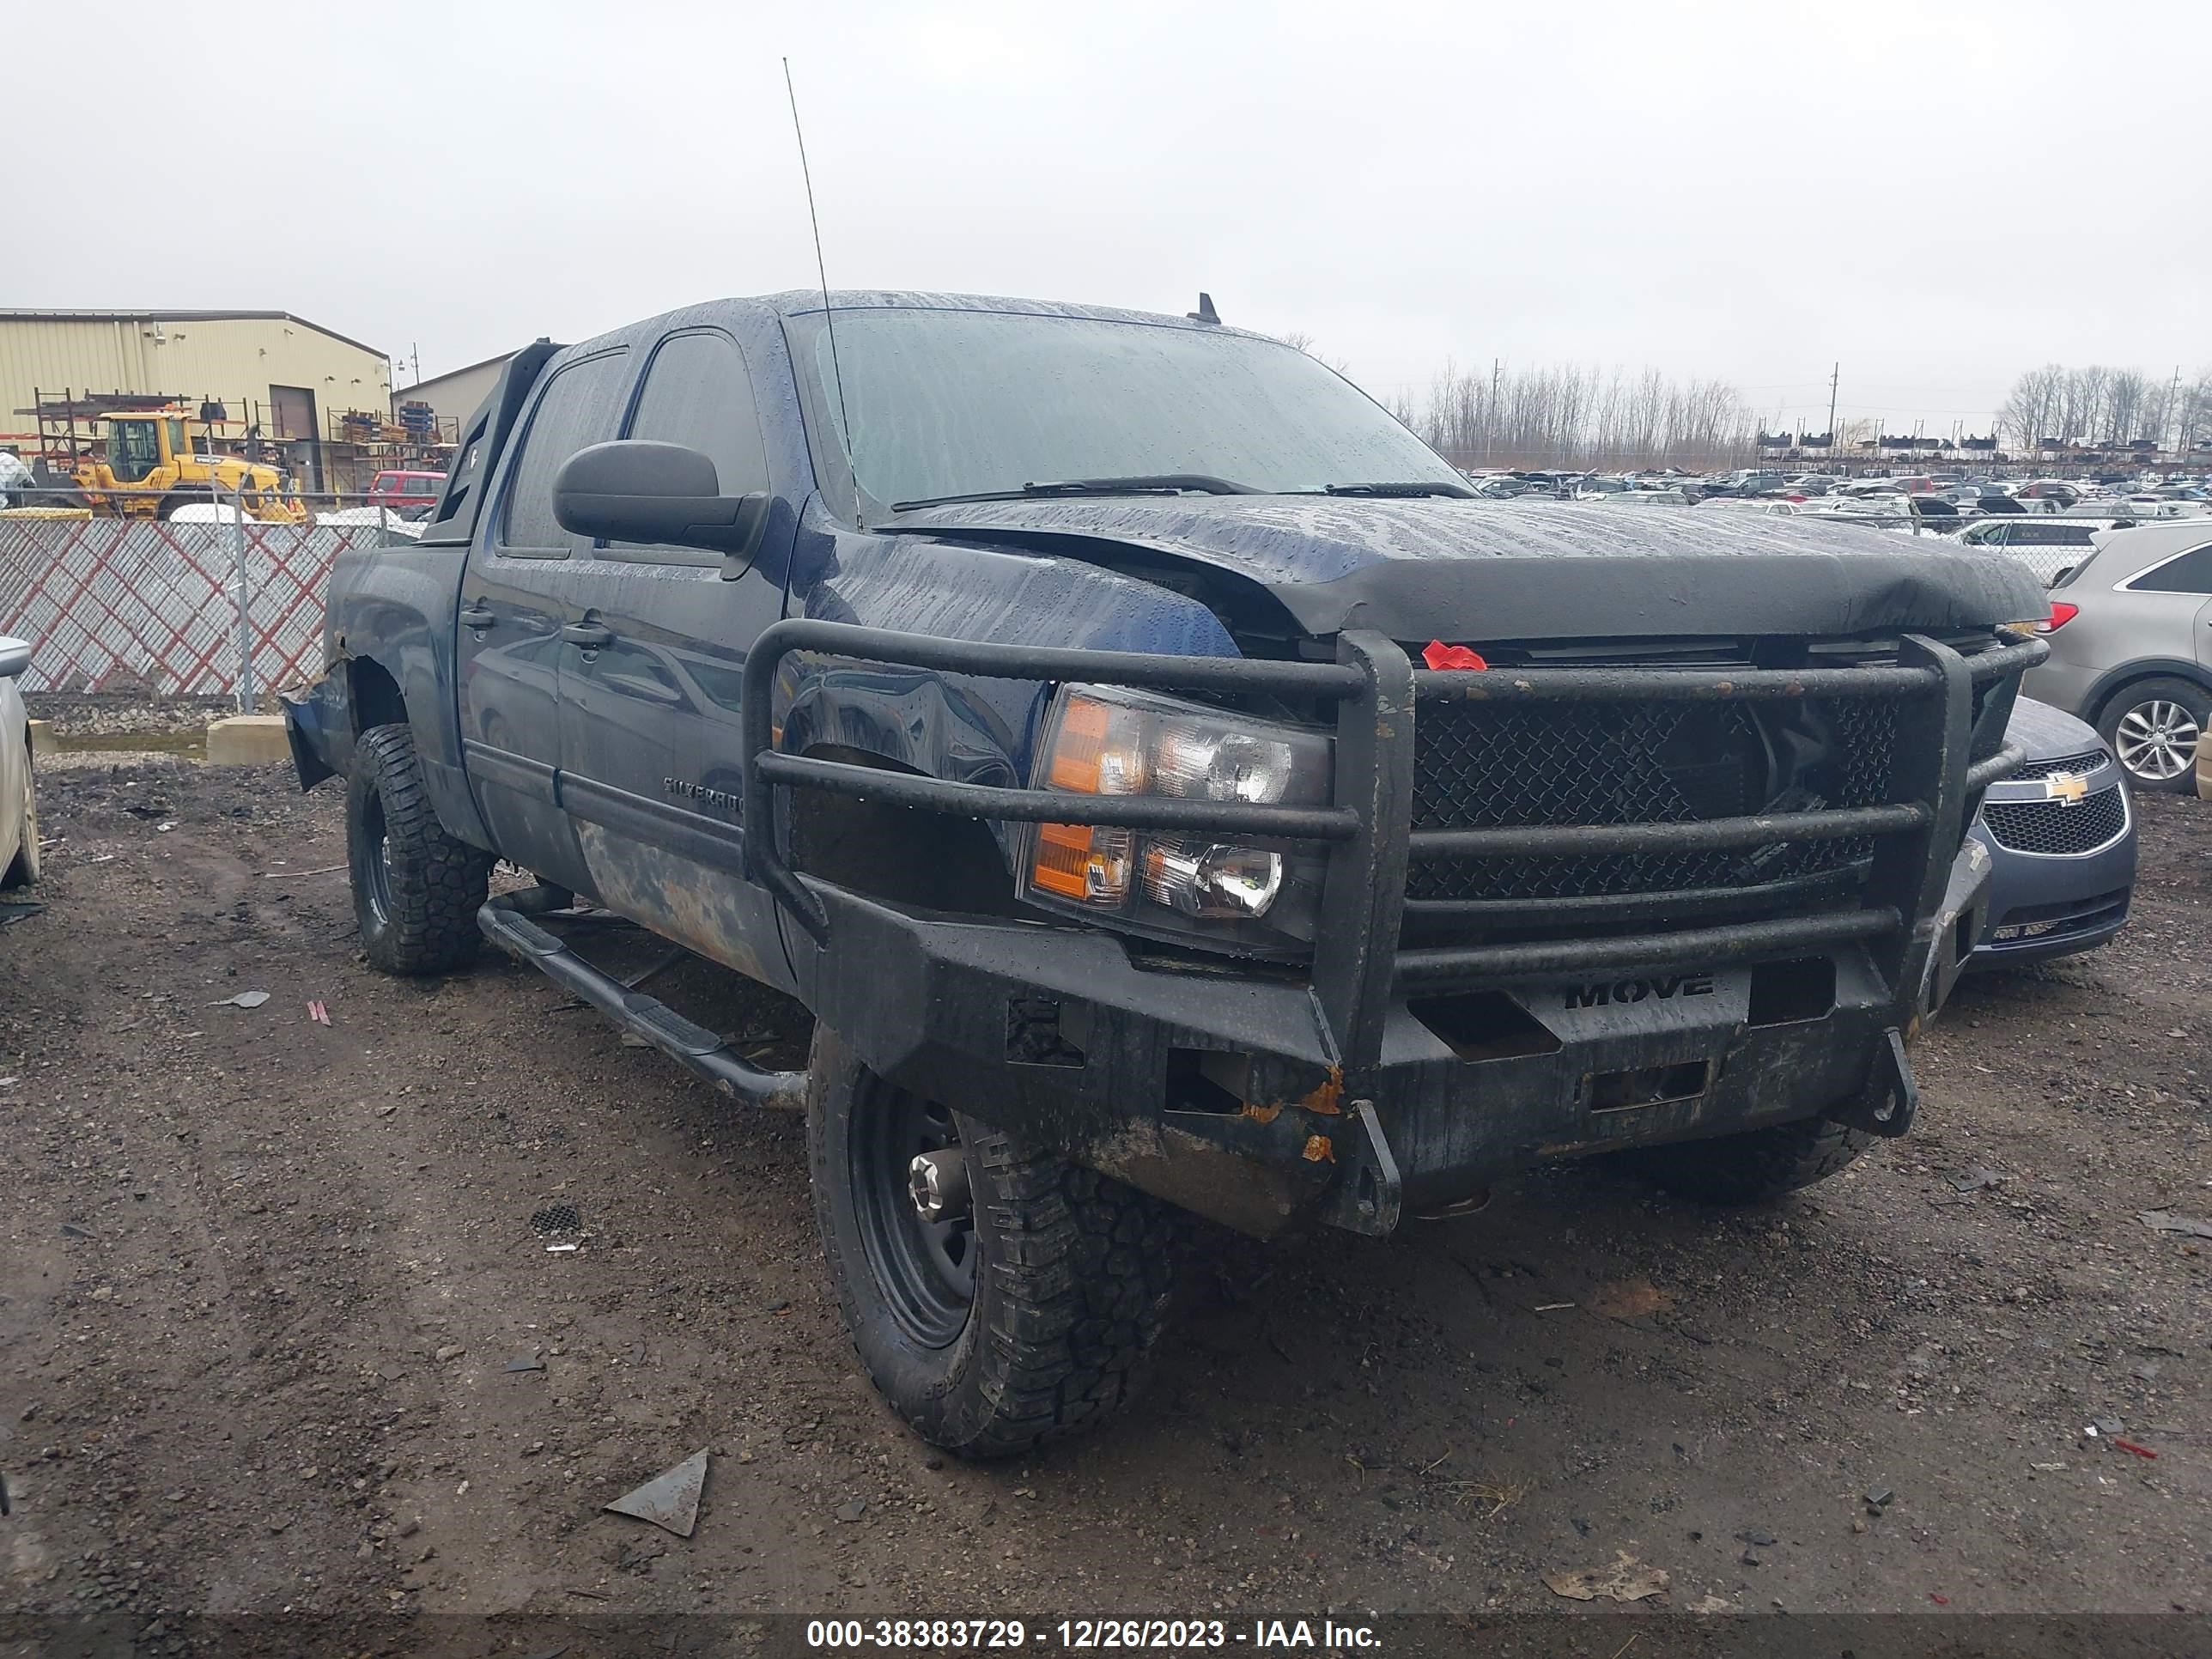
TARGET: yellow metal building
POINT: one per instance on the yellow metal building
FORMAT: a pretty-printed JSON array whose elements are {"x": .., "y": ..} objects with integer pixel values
[{"x": 292, "y": 379}]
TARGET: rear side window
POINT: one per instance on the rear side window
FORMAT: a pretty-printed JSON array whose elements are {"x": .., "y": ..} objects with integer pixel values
[
  {"x": 576, "y": 410},
  {"x": 2190, "y": 574},
  {"x": 696, "y": 392}
]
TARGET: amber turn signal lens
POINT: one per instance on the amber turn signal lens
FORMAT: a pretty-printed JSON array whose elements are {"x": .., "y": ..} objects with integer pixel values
[{"x": 1082, "y": 862}]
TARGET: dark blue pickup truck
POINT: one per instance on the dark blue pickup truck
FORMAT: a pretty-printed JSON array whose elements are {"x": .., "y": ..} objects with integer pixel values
[{"x": 1166, "y": 787}]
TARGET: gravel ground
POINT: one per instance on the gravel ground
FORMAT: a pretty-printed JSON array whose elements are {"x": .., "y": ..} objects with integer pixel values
[{"x": 265, "y": 1284}]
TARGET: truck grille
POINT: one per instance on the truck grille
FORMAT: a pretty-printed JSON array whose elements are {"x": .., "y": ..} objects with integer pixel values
[
  {"x": 1480, "y": 765},
  {"x": 2055, "y": 830}
]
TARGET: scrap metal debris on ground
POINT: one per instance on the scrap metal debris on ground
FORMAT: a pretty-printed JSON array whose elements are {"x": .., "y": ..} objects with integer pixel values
[
  {"x": 669, "y": 1500},
  {"x": 2165, "y": 1221}
]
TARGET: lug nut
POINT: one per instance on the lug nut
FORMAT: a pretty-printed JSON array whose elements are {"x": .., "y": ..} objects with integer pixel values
[{"x": 939, "y": 1181}]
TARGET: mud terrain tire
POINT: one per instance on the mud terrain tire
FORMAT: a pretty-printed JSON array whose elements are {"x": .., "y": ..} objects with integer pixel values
[
  {"x": 415, "y": 889},
  {"x": 1754, "y": 1167},
  {"x": 1070, "y": 1271}
]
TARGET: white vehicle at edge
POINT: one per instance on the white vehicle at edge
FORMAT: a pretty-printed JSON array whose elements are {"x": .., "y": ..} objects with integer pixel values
[{"x": 19, "y": 806}]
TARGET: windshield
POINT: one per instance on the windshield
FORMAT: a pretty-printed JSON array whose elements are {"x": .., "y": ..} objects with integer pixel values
[{"x": 952, "y": 402}]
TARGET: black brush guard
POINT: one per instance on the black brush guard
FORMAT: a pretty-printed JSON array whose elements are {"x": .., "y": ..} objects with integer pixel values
[{"x": 1362, "y": 963}]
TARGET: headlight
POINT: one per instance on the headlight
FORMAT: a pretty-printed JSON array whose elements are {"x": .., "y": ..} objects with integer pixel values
[{"x": 1191, "y": 885}]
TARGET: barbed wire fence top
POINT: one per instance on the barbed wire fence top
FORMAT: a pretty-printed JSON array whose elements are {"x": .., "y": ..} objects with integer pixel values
[{"x": 115, "y": 603}]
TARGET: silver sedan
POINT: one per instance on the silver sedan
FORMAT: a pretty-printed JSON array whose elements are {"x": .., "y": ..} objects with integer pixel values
[{"x": 19, "y": 806}]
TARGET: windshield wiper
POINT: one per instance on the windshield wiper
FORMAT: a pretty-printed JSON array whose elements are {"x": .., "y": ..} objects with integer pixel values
[
  {"x": 1138, "y": 484},
  {"x": 1410, "y": 487}
]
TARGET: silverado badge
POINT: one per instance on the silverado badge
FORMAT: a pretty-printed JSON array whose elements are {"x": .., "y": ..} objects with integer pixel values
[{"x": 2067, "y": 788}]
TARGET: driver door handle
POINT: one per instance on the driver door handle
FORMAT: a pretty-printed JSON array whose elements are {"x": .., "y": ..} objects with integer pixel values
[
  {"x": 477, "y": 615},
  {"x": 591, "y": 636}
]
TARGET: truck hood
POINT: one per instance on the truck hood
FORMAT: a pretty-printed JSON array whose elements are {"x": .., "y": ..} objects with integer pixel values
[{"x": 1499, "y": 570}]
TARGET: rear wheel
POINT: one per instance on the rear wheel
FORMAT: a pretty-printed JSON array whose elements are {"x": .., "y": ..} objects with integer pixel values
[
  {"x": 416, "y": 889},
  {"x": 2154, "y": 727},
  {"x": 1752, "y": 1167},
  {"x": 998, "y": 1296}
]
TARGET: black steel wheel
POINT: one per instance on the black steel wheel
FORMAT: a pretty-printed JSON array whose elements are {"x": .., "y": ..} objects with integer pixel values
[
  {"x": 926, "y": 1269},
  {"x": 1023, "y": 1307}
]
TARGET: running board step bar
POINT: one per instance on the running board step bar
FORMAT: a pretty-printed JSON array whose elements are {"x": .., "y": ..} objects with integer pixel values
[{"x": 693, "y": 1046}]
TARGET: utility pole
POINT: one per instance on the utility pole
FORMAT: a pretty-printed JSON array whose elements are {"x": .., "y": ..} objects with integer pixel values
[
  {"x": 1490, "y": 414},
  {"x": 1835, "y": 379},
  {"x": 2173, "y": 409}
]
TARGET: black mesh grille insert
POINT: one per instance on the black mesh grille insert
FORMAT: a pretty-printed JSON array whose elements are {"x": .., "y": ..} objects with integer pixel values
[
  {"x": 2052, "y": 827},
  {"x": 1482, "y": 765}
]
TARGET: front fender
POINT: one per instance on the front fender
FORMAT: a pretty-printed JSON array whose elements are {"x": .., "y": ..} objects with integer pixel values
[{"x": 966, "y": 728}]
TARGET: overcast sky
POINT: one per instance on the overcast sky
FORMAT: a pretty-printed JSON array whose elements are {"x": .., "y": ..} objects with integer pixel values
[{"x": 1938, "y": 195}]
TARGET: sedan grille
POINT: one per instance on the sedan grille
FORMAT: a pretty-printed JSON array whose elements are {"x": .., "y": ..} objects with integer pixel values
[
  {"x": 2077, "y": 765},
  {"x": 2055, "y": 830}
]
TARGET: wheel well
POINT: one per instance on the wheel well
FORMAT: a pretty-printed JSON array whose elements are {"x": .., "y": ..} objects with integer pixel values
[
  {"x": 373, "y": 697},
  {"x": 899, "y": 854},
  {"x": 2185, "y": 673}
]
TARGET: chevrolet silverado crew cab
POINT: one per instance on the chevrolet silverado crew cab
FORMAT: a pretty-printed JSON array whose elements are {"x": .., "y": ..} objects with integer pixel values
[{"x": 1166, "y": 787}]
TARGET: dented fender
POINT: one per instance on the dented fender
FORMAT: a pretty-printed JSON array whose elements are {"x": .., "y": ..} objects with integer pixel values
[{"x": 963, "y": 728}]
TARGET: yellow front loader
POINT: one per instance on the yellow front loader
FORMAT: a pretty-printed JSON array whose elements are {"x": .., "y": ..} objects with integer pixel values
[{"x": 149, "y": 468}]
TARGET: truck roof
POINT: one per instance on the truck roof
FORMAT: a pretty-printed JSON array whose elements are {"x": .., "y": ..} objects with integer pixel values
[{"x": 799, "y": 302}]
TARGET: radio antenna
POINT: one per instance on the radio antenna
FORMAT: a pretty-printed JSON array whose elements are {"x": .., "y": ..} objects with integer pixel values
[{"x": 828, "y": 312}]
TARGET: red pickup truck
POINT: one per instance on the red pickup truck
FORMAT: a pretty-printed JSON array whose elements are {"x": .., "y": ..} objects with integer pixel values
[{"x": 405, "y": 488}]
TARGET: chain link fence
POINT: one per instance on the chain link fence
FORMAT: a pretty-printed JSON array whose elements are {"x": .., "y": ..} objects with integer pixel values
[{"x": 114, "y": 604}]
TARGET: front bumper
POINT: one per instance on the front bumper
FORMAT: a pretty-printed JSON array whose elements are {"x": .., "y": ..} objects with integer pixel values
[
  {"x": 1397, "y": 1075},
  {"x": 1223, "y": 1091},
  {"x": 2046, "y": 905}
]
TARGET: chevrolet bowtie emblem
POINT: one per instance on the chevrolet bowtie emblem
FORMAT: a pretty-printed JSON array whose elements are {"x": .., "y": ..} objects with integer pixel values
[{"x": 2065, "y": 788}]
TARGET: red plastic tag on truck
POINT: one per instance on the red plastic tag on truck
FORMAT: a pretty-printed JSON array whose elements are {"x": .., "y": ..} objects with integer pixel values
[{"x": 1440, "y": 655}]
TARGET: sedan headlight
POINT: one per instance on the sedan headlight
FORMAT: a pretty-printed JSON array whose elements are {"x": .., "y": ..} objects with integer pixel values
[{"x": 1243, "y": 893}]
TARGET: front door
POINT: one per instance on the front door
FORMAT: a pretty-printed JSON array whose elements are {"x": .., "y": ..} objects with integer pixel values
[
  {"x": 651, "y": 750},
  {"x": 517, "y": 596}
]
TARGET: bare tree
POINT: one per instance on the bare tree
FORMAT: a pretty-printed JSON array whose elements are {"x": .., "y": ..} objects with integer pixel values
[
  {"x": 1573, "y": 415},
  {"x": 1298, "y": 339}
]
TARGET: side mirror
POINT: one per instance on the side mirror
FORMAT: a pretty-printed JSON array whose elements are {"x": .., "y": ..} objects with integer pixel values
[
  {"x": 14, "y": 657},
  {"x": 636, "y": 491}
]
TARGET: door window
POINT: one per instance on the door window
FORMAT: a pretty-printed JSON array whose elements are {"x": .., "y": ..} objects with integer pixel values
[
  {"x": 576, "y": 410},
  {"x": 696, "y": 392},
  {"x": 133, "y": 451},
  {"x": 2190, "y": 574}
]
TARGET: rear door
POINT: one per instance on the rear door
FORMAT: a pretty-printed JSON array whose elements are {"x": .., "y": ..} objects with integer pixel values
[
  {"x": 651, "y": 753},
  {"x": 516, "y": 597},
  {"x": 2176, "y": 594}
]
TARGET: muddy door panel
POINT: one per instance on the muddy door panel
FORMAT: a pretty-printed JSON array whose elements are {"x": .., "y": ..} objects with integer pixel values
[
  {"x": 649, "y": 769},
  {"x": 518, "y": 596},
  {"x": 508, "y": 661},
  {"x": 650, "y": 741}
]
